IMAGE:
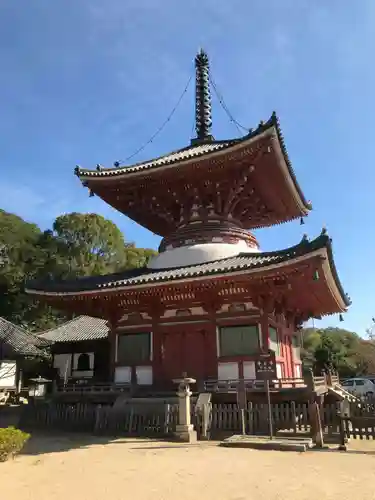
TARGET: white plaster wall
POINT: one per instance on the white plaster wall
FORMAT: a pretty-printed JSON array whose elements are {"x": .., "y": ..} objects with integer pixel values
[
  {"x": 228, "y": 371},
  {"x": 144, "y": 375},
  {"x": 127, "y": 317},
  {"x": 249, "y": 370},
  {"x": 63, "y": 364},
  {"x": 122, "y": 375},
  {"x": 279, "y": 370},
  {"x": 298, "y": 371},
  {"x": 248, "y": 307},
  {"x": 198, "y": 254},
  {"x": 195, "y": 311},
  {"x": 8, "y": 371},
  {"x": 82, "y": 373}
]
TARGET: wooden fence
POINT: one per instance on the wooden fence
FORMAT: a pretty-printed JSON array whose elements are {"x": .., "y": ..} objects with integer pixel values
[
  {"x": 287, "y": 418},
  {"x": 129, "y": 419},
  {"x": 154, "y": 419},
  {"x": 357, "y": 420},
  {"x": 160, "y": 419}
]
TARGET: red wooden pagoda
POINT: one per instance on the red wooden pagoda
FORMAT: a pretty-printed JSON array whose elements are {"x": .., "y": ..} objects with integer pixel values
[{"x": 211, "y": 300}]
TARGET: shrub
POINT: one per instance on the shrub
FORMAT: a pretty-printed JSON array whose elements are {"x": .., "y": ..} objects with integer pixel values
[{"x": 12, "y": 441}]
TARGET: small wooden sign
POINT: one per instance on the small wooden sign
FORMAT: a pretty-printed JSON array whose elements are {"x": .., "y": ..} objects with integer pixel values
[
  {"x": 241, "y": 395},
  {"x": 265, "y": 366}
]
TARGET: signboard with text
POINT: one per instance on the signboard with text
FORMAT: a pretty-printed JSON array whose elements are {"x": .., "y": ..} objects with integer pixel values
[{"x": 265, "y": 366}]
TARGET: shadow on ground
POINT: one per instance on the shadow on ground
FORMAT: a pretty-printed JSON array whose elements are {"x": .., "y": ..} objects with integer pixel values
[
  {"x": 358, "y": 450},
  {"x": 44, "y": 443}
]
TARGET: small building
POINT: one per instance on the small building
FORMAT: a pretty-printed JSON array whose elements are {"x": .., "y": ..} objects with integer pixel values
[
  {"x": 211, "y": 301},
  {"x": 80, "y": 349},
  {"x": 19, "y": 350}
]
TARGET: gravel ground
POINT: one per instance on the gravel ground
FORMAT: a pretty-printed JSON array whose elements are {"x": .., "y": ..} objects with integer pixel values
[{"x": 79, "y": 469}]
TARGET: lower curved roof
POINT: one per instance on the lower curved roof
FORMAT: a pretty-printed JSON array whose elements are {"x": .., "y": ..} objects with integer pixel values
[{"x": 136, "y": 278}]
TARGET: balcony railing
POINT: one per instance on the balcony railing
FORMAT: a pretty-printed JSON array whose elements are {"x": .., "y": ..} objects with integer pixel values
[
  {"x": 252, "y": 384},
  {"x": 91, "y": 388},
  {"x": 211, "y": 385}
]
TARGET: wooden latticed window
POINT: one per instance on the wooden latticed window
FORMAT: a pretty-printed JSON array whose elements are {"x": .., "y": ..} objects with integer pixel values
[
  {"x": 274, "y": 340},
  {"x": 239, "y": 340},
  {"x": 134, "y": 348}
]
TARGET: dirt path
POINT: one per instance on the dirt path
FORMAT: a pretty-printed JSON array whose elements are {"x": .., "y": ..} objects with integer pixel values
[{"x": 62, "y": 469}]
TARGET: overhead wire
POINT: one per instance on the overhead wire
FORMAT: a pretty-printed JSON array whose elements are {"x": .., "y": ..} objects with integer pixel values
[
  {"x": 167, "y": 120},
  {"x": 221, "y": 100},
  {"x": 225, "y": 107}
]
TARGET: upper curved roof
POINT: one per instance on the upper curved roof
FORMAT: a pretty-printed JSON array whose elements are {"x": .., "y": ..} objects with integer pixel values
[{"x": 192, "y": 152}]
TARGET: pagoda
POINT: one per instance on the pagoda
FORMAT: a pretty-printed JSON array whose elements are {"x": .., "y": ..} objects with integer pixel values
[{"x": 211, "y": 300}]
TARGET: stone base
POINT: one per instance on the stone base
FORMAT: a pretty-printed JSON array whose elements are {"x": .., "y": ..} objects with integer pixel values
[
  {"x": 264, "y": 443},
  {"x": 186, "y": 433}
]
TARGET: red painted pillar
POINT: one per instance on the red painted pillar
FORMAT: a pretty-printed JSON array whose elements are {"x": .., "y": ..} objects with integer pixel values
[
  {"x": 267, "y": 306},
  {"x": 157, "y": 346},
  {"x": 265, "y": 330},
  {"x": 157, "y": 360},
  {"x": 112, "y": 337},
  {"x": 211, "y": 305},
  {"x": 212, "y": 349}
]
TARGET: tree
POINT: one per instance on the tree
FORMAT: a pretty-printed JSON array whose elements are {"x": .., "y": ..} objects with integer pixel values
[
  {"x": 90, "y": 243},
  {"x": 78, "y": 245},
  {"x": 137, "y": 257},
  {"x": 18, "y": 256},
  {"x": 335, "y": 348}
]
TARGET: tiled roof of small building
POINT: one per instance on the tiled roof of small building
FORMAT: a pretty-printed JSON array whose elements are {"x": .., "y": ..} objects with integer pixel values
[
  {"x": 78, "y": 329},
  {"x": 19, "y": 341},
  {"x": 243, "y": 261}
]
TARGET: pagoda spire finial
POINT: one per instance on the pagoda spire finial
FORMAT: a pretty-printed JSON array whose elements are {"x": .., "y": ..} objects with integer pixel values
[{"x": 203, "y": 120}]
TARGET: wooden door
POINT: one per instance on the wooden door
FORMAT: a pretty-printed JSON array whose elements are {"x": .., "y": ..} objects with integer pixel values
[
  {"x": 184, "y": 351},
  {"x": 195, "y": 354},
  {"x": 172, "y": 355}
]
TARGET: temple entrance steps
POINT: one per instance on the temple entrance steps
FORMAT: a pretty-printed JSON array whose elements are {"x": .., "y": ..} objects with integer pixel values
[{"x": 340, "y": 393}]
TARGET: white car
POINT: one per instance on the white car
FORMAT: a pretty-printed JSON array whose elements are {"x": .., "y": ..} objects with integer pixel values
[{"x": 359, "y": 386}]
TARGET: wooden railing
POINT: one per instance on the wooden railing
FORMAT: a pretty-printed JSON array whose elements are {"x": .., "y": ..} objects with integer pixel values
[
  {"x": 93, "y": 388},
  {"x": 320, "y": 381},
  {"x": 323, "y": 381},
  {"x": 213, "y": 385},
  {"x": 251, "y": 384}
]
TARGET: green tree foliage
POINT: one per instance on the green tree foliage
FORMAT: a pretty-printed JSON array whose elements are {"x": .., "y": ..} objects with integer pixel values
[
  {"x": 90, "y": 243},
  {"x": 77, "y": 245},
  {"x": 19, "y": 258},
  {"x": 338, "y": 349}
]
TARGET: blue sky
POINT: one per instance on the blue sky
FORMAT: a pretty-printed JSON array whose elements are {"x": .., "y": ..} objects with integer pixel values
[{"x": 88, "y": 81}]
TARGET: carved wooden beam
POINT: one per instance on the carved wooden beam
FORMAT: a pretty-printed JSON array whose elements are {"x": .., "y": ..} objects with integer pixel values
[{"x": 210, "y": 301}]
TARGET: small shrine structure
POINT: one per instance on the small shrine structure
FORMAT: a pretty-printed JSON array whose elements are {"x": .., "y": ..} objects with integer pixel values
[{"x": 211, "y": 300}]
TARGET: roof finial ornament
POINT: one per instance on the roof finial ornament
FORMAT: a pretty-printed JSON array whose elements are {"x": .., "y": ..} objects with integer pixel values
[{"x": 203, "y": 118}]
